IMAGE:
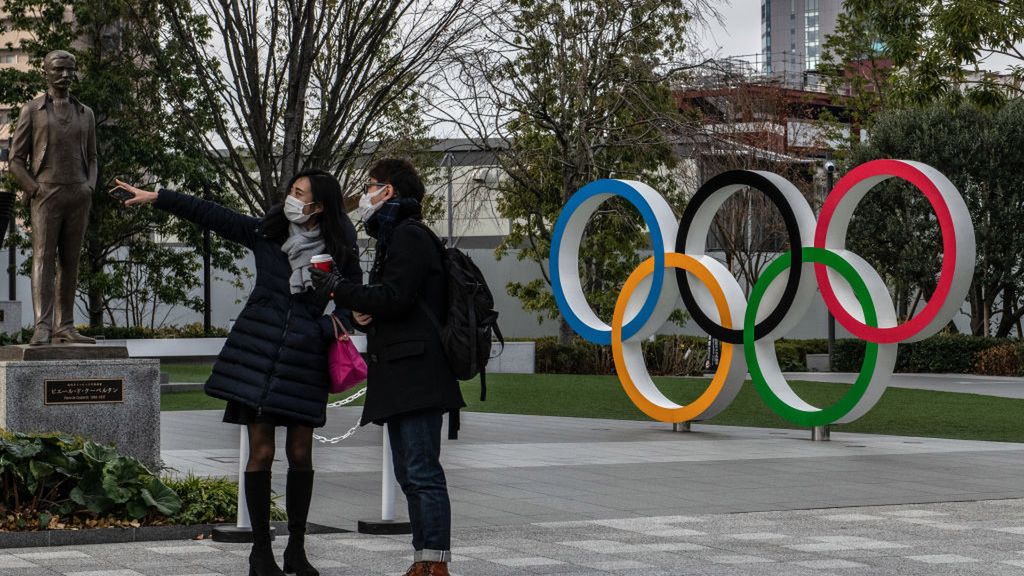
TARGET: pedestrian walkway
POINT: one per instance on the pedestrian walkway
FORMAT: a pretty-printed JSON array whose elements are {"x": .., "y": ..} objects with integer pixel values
[
  {"x": 982, "y": 538},
  {"x": 574, "y": 496},
  {"x": 509, "y": 469}
]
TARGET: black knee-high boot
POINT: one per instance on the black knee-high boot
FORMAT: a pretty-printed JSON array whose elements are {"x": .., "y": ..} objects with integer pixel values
[
  {"x": 297, "y": 496},
  {"x": 257, "y": 499}
]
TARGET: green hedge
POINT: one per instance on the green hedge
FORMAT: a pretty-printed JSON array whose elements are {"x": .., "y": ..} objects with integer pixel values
[
  {"x": 940, "y": 354},
  {"x": 194, "y": 330},
  {"x": 665, "y": 356}
]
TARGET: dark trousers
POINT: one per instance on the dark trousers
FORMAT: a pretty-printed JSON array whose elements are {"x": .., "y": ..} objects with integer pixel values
[
  {"x": 416, "y": 450},
  {"x": 60, "y": 215}
]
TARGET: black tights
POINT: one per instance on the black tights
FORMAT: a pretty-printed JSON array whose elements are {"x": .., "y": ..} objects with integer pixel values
[{"x": 298, "y": 446}]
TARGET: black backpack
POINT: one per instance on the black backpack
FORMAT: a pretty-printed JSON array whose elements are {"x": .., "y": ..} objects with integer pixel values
[{"x": 471, "y": 323}]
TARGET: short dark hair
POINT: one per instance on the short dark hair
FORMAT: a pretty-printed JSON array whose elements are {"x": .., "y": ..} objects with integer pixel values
[
  {"x": 402, "y": 175},
  {"x": 59, "y": 55}
]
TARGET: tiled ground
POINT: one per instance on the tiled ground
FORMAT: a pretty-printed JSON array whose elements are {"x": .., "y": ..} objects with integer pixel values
[
  {"x": 938, "y": 539},
  {"x": 534, "y": 495}
]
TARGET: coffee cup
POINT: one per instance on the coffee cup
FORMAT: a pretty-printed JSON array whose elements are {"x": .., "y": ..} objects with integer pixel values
[{"x": 322, "y": 262}]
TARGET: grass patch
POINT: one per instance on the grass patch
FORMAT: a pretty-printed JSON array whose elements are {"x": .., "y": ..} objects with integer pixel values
[
  {"x": 187, "y": 373},
  {"x": 900, "y": 412}
]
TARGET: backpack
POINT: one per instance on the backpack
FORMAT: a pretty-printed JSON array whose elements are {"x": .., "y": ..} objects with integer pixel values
[{"x": 471, "y": 322}]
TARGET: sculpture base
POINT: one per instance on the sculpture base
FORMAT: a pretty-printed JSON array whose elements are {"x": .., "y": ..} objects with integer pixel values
[
  {"x": 22, "y": 352},
  {"x": 108, "y": 401}
]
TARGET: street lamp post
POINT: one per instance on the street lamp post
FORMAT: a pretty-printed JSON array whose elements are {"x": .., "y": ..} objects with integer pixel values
[
  {"x": 449, "y": 161},
  {"x": 830, "y": 169},
  {"x": 207, "y": 299}
]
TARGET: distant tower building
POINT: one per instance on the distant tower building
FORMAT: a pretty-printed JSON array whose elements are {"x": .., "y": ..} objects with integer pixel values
[{"x": 792, "y": 34}]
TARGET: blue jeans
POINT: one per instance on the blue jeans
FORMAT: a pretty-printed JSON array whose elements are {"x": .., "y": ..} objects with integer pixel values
[{"x": 416, "y": 450}]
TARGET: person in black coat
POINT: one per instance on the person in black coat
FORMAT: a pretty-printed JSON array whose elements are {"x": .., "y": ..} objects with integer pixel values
[
  {"x": 273, "y": 368},
  {"x": 410, "y": 384}
]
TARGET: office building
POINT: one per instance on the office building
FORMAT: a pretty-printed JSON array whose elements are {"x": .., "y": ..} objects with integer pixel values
[{"x": 792, "y": 35}]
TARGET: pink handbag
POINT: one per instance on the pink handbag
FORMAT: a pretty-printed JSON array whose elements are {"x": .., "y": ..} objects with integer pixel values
[{"x": 344, "y": 363}]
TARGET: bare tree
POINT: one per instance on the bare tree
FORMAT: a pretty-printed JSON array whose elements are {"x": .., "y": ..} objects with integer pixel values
[
  {"x": 566, "y": 92},
  {"x": 292, "y": 84}
]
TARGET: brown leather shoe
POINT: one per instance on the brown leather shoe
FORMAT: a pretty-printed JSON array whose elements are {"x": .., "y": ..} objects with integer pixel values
[
  {"x": 437, "y": 569},
  {"x": 71, "y": 336},
  {"x": 428, "y": 569},
  {"x": 40, "y": 336}
]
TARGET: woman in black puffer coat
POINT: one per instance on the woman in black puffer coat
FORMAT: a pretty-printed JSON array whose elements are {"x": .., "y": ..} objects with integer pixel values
[{"x": 273, "y": 368}]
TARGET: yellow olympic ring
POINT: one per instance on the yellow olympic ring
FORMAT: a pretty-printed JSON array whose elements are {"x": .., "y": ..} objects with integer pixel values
[{"x": 645, "y": 395}]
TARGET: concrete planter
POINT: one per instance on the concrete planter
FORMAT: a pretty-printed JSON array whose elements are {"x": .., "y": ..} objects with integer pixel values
[
  {"x": 517, "y": 357},
  {"x": 817, "y": 363}
]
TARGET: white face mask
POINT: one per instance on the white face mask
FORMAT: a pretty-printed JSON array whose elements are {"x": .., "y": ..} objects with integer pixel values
[
  {"x": 293, "y": 210},
  {"x": 366, "y": 206}
]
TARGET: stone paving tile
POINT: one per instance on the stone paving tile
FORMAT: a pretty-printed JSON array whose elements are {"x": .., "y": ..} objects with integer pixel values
[{"x": 793, "y": 543}]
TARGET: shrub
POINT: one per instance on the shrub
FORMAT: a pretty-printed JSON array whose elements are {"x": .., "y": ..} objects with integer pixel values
[
  {"x": 204, "y": 500},
  {"x": 940, "y": 354},
  {"x": 194, "y": 330},
  {"x": 665, "y": 356},
  {"x": 209, "y": 500},
  {"x": 1002, "y": 360},
  {"x": 57, "y": 480},
  {"x": 791, "y": 356}
]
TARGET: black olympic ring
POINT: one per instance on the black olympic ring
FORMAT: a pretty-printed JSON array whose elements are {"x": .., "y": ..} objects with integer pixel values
[{"x": 769, "y": 189}]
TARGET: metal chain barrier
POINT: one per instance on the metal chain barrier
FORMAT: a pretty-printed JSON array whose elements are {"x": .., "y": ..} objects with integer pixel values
[{"x": 352, "y": 430}]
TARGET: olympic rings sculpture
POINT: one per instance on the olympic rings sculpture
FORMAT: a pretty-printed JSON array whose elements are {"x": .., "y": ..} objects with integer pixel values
[{"x": 818, "y": 261}]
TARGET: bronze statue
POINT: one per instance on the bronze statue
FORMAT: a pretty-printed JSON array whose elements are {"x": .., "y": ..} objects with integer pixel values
[{"x": 53, "y": 158}]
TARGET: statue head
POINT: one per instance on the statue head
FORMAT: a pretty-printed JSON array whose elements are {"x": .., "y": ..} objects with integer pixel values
[{"x": 61, "y": 69}]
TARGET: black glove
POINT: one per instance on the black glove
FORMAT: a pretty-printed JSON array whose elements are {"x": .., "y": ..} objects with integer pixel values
[{"x": 325, "y": 283}]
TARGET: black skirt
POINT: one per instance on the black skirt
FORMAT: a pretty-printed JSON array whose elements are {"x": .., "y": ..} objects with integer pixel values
[{"x": 238, "y": 413}]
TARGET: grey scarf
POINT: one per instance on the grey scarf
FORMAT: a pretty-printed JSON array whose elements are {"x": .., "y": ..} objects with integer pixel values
[{"x": 300, "y": 246}]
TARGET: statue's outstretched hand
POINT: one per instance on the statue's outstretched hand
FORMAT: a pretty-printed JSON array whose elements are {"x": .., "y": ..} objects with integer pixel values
[{"x": 141, "y": 196}]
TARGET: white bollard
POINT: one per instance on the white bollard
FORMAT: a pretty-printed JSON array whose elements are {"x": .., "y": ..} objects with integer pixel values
[
  {"x": 242, "y": 530},
  {"x": 243, "y": 520},
  {"x": 387, "y": 523},
  {"x": 387, "y": 482}
]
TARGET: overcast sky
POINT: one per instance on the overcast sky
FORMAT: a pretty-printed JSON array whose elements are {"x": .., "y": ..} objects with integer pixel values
[{"x": 741, "y": 35}]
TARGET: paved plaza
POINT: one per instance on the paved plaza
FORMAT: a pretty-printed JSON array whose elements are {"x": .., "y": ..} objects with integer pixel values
[
  {"x": 538, "y": 495},
  {"x": 936, "y": 539}
]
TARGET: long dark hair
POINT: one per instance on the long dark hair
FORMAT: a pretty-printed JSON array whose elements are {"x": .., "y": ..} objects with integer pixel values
[{"x": 332, "y": 219}]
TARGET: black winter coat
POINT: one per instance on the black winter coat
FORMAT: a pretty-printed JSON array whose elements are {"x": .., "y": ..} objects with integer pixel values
[
  {"x": 408, "y": 370},
  {"x": 275, "y": 358}
]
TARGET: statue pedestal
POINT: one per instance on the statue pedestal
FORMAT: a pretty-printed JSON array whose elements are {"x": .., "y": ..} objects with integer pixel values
[{"x": 99, "y": 397}]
